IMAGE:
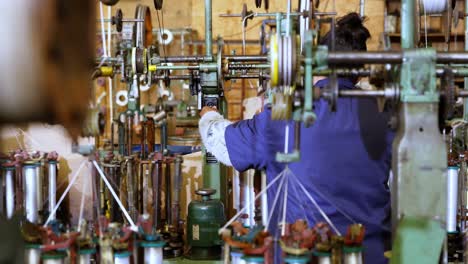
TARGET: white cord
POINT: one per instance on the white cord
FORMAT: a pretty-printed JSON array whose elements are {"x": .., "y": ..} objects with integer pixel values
[
  {"x": 103, "y": 34},
  {"x": 85, "y": 184},
  {"x": 285, "y": 203},
  {"x": 129, "y": 219},
  {"x": 275, "y": 200},
  {"x": 286, "y": 138},
  {"x": 245, "y": 207},
  {"x": 51, "y": 215},
  {"x": 317, "y": 206}
]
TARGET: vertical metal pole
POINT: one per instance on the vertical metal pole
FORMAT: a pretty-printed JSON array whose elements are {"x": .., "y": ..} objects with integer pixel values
[
  {"x": 362, "y": 5},
  {"x": 176, "y": 193},
  {"x": 163, "y": 130},
  {"x": 168, "y": 192},
  {"x": 52, "y": 186},
  {"x": 156, "y": 182},
  {"x": 31, "y": 189},
  {"x": 407, "y": 23},
  {"x": 208, "y": 29},
  {"x": 9, "y": 191},
  {"x": 40, "y": 186}
]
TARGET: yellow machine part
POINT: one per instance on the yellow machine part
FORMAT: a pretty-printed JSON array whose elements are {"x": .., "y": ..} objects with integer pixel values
[{"x": 274, "y": 67}]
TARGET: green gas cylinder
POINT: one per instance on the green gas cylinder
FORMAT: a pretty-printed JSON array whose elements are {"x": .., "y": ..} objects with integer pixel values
[{"x": 204, "y": 219}]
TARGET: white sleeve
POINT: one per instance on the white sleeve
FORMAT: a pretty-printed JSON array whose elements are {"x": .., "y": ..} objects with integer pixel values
[{"x": 212, "y": 128}]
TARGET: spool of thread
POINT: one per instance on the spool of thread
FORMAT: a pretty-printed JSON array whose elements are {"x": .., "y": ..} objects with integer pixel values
[
  {"x": 121, "y": 98},
  {"x": 236, "y": 258},
  {"x": 166, "y": 37},
  {"x": 153, "y": 251},
  {"x": 352, "y": 255},
  {"x": 84, "y": 256},
  {"x": 32, "y": 254},
  {"x": 433, "y": 6},
  {"x": 122, "y": 257},
  {"x": 452, "y": 197}
]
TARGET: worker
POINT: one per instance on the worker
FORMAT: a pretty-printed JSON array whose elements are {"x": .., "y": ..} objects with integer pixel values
[{"x": 345, "y": 155}]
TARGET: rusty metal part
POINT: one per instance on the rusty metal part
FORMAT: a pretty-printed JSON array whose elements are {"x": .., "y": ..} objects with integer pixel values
[
  {"x": 156, "y": 178},
  {"x": 150, "y": 134}
]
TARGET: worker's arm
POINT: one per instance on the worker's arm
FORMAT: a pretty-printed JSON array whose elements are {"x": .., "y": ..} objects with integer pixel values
[
  {"x": 243, "y": 145},
  {"x": 212, "y": 128}
]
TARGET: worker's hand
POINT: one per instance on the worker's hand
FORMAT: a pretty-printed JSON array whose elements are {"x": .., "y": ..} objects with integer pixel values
[{"x": 207, "y": 109}]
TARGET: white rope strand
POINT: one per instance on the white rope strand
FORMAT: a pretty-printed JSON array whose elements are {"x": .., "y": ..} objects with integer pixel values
[
  {"x": 317, "y": 206},
  {"x": 275, "y": 200},
  {"x": 129, "y": 219},
  {"x": 285, "y": 203},
  {"x": 256, "y": 197},
  {"x": 80, "y": 220},
  {"x": 65, "y": 193}
]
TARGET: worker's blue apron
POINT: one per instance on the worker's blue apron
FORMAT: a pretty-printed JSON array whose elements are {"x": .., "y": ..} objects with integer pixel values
[{"x": 345, "y": 155}]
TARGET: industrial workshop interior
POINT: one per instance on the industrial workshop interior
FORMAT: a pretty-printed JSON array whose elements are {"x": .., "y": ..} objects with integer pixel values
[{"x": 243, "y": 132}]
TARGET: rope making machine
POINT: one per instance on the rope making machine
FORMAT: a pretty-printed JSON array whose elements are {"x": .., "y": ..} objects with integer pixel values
[{"x": 136, "y": 184}]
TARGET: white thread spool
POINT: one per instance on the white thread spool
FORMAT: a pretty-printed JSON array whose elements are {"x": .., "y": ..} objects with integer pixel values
[
  {"x": 166, "y": 37},
  {"x": 433, "y": 6},
  {"x": 153, "y": 255},
  {"x": 122, "y": 258},
  {"x": 236, "y": 258},
  {"x": 30, "y": 196},
  {"x": 84, "y": 257},
  {"x": 9, "y": 192},
  {"x": 324, "y": 260},
  {"x": 32, "y": 254},
  {"x": 452, "y": 195},
  {"x": 121, "y": 98},
  {"x": 352, "y": 256}
]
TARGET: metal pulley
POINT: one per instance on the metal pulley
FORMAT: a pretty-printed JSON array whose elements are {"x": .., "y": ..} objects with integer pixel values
[
  {"x": 283, "y": 60},
  {"x": 143, "y": 31},
  {"x": 117, "y": 20},
  {"x": 330, "y": 92},
  {"x": 158, "y": 4},
  {"x": 95, "y": 123}
]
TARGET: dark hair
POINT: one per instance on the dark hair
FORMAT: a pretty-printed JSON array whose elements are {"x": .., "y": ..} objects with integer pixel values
[{"x": 350, "y": 34}]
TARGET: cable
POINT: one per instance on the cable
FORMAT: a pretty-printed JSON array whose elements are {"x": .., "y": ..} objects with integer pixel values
[
  {"x": 160, "y": 32},
  {"x": 247, "y": 30}
]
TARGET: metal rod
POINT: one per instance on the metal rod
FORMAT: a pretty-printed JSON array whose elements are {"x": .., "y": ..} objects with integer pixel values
[
  {"x": 362, "y": 4},
  {"x": 183, "y": 59},
  {"x": 52, "y": 192},
  {"x": 9, "y": 191},
  {"x": 31, "y": 182},
  {"x": 379, "y": 57},
  {"x": 123, "y": 20},
  {"x": 465, "y": 102},
  {"x": 408, "y": 15},
  {"x": 156, "y": 182},
  {"x": 246, "y": 58},
  {"x": 284, "y": 14},
  {"x": 208, "y": 29},
  {"x": 248, "y": 66},
  {"x": 177, "y": 189},
  {"x": 168, "y": 191}
]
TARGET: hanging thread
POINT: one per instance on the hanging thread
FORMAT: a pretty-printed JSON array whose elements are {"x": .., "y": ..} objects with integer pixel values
[{"x": 434, "y": 6}]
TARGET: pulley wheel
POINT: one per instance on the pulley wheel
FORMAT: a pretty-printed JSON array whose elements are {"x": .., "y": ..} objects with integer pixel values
[
  {"x": 117, "y": 20},
  {"x": 220, "y": 64},
  {"x": 143, "y": 31},
  {"x": 274, "y": 63},
  {"x": 109, "y": 2}
]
